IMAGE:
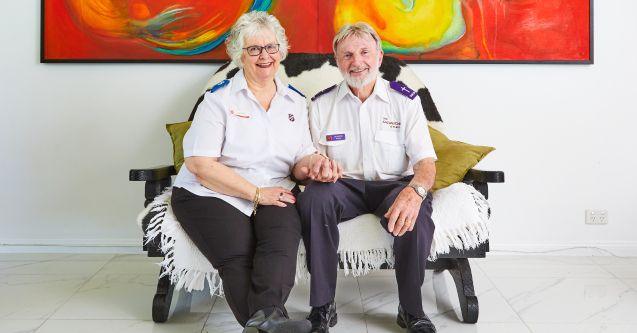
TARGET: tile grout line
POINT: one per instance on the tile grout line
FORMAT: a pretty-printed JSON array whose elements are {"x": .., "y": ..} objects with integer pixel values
[
  {"x": 495, "y": 286},
  {"x": 71, "y": 296},
  {"x": 603, "y": 267},
  {"x": 620, "y": 279},
  {"x": 360, "y": 294},
  {"x": 209, "y": 314}
]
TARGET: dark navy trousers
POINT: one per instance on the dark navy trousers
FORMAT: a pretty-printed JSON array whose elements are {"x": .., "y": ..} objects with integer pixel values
[{"x": 323, "y": 205}]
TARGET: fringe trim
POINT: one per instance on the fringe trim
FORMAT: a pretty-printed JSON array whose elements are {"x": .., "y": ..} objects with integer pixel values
[
  {"x": 165, "y": 226},
  {"x": 361, "y": 262},
  {"x": 357, "y": 263},
  {"x": 470, "y": 235}
]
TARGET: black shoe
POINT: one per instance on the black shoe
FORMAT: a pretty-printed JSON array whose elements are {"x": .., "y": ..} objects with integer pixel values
[
  {"x": 323, "y": 317},
  {"x": 273, "y": 320},
  {"x": 414, "y": 324}
]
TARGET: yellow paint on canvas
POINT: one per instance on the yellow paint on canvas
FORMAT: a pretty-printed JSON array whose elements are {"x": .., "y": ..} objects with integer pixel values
[{"x": 405, "y": 23}]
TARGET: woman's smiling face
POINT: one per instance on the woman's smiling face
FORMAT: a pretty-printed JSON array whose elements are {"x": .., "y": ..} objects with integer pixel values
[{"x": 265, "y": 65}]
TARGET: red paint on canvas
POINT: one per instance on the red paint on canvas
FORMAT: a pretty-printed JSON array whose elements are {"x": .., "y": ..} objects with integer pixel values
[{"x": 495, "y": 30}]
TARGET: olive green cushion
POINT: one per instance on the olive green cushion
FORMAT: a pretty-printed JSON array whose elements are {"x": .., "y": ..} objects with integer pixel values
[
  {"x": 177, "y": 132},
  {"x": 455, "y": 158}
]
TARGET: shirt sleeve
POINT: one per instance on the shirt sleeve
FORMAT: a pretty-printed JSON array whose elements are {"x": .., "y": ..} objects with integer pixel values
[
  {"x": 315, "y": 127},
  {"x": 307, "y": 146},
  {"x": 206, "y": 134},
  {"x": 418, "y": 143}
]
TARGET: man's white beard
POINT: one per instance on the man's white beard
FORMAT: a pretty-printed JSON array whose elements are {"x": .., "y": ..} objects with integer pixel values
[{"x": 359, "y": 83}]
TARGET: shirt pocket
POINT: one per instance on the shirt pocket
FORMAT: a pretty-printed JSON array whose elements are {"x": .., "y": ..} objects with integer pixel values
[
  {"x": 246, "y": 141},
  {"x": 390, "y": 149},
  {"x": 336, "y": 143}
]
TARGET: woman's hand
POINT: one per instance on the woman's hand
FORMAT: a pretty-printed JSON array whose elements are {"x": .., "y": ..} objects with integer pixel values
[
  {"x": 324, "y": 169},
  {"x": 319, "y": 168},
  {"x": 275, "y": 196}
]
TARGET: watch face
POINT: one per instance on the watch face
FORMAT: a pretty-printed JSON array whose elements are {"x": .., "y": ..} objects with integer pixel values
[{"x": 420, "y": 190}]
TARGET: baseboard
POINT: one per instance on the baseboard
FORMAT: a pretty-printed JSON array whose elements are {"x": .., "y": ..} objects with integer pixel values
[
  {"x": 71, "y": 246},
  {"x": 622, "y": 249}
]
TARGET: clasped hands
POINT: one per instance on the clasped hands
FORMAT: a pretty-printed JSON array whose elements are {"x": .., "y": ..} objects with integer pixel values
[
  {"x": 320, "y": 168},
  {"x": 323, "y": 169}
]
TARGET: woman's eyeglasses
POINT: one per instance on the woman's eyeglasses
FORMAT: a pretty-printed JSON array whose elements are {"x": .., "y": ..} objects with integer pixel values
[{"x": 255, "y": 50}]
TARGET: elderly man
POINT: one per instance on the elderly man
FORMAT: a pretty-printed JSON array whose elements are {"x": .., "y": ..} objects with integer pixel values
[{"x": 377, "y": 132}]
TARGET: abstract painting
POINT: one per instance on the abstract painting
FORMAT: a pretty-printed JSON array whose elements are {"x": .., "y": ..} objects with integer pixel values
[{"x": 422, "y": 31}]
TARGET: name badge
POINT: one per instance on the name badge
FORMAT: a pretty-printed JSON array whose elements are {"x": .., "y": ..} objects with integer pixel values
[
  {"x": 239, "y": 114},
  {"x": 335, "y": 137}
]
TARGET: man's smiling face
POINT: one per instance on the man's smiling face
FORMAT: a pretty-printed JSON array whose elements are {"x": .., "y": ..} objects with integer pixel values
[{"x": 358, "y": 59}]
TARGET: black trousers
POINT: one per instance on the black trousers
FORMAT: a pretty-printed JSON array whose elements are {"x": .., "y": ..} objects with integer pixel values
[
  {"x": 323, "y": 205},
  {"x": 255, "y": 257}
]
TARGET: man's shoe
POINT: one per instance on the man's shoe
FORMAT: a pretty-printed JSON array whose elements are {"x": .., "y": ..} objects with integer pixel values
[
  {"x": 414, "y": 324},
  {"x": 273, "y": 320},
  {"x": 323, "y": 317}
]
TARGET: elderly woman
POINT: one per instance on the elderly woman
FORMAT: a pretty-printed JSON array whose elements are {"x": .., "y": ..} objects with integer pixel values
[{"x": 234, "y": 198}]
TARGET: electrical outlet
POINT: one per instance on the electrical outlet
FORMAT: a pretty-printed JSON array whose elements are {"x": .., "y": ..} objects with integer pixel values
[{"x": 596, "y": 216}]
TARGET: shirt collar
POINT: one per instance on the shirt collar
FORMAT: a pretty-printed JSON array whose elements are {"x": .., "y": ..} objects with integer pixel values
[
  {"x": 380, "y": 90},
  {"x": 239, "y": 83}
]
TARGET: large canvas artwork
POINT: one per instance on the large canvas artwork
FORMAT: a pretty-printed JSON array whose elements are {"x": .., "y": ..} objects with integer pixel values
[{"x": 425, "y": 31}]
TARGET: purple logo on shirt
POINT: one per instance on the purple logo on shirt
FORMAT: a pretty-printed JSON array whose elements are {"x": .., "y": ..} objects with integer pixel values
[
  {"x": 335, "y": 137},
  {"x": 291, "y": 117}
]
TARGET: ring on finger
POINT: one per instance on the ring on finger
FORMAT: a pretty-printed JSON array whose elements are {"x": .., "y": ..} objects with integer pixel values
[{"x": 280, "y": 195}]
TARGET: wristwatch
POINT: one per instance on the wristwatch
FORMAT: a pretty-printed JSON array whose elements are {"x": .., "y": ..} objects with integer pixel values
[{"x": 421, "y": 191}]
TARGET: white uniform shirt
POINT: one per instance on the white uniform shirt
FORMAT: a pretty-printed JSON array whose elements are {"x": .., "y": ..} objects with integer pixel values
[
  {"x": 379, "y": 139},
  {"x": 260, "y": 146}
]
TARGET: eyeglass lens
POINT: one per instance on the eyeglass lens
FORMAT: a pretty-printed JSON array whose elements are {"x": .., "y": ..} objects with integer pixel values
[{"x": 255, "y": 50}]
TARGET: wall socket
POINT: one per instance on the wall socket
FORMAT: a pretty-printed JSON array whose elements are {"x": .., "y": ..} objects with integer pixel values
[{"x": 596, "y": 216}]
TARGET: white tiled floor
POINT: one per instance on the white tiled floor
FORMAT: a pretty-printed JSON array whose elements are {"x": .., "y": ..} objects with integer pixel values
[{"x": 54, "y": 293}]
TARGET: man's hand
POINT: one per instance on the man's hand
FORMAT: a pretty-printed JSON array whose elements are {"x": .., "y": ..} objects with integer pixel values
[
  {"x": 325, "y": 170},
  {"x": 401, "y": 216}
]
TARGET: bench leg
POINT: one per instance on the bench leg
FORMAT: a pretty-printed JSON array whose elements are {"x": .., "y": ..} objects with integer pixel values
[
  {"x": 162, "y": 299},
  {"x": 461, "y": 273}
]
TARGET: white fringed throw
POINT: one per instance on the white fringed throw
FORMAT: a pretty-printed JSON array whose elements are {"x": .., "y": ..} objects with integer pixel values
[{"x": 460, "y": 213}]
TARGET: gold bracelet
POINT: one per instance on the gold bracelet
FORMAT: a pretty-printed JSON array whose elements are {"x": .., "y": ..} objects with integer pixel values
[{"x": 255, "y": 201}]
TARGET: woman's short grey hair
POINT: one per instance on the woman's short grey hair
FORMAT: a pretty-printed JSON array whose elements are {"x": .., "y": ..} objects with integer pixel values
[
  {"x": 359, "y": 29},
  {"x": 249, "y": 25}
]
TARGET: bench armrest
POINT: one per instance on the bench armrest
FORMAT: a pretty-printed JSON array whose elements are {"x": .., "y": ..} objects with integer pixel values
[
  {"x": 483, "y": 176},
  {"x": 152, "y": 174}
]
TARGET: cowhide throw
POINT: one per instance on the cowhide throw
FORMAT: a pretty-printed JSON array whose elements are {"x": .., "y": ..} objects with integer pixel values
[{"x": 311, "y": 73}]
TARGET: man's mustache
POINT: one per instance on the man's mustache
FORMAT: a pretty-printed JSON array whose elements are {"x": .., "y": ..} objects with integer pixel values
[{"x": 357, "y": 69}]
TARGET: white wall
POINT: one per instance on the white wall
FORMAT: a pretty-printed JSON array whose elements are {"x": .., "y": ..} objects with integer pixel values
[{"x": 564, "y": 134}]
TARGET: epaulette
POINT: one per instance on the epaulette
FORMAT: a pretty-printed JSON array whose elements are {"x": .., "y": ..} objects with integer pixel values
[
  {"x": 323, "y": 92},
  {"x": 403, "y": 89},
  {"x": 296, "y": 90},
  {"x": 219, "y": 85}
]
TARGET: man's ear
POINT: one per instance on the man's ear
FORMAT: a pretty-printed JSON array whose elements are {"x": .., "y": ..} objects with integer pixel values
[{"x": 381, "y": 54}]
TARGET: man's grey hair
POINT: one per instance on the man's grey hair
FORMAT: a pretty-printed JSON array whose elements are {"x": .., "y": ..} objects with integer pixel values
[
  {"x": 359, "y": 29},
  {"x": 249, "y": 25}
]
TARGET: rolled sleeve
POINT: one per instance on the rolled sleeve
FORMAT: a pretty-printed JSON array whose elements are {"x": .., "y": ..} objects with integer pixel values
[
  {"x": 206, "y": 134},
  {"x": 418, "y": 143}
]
